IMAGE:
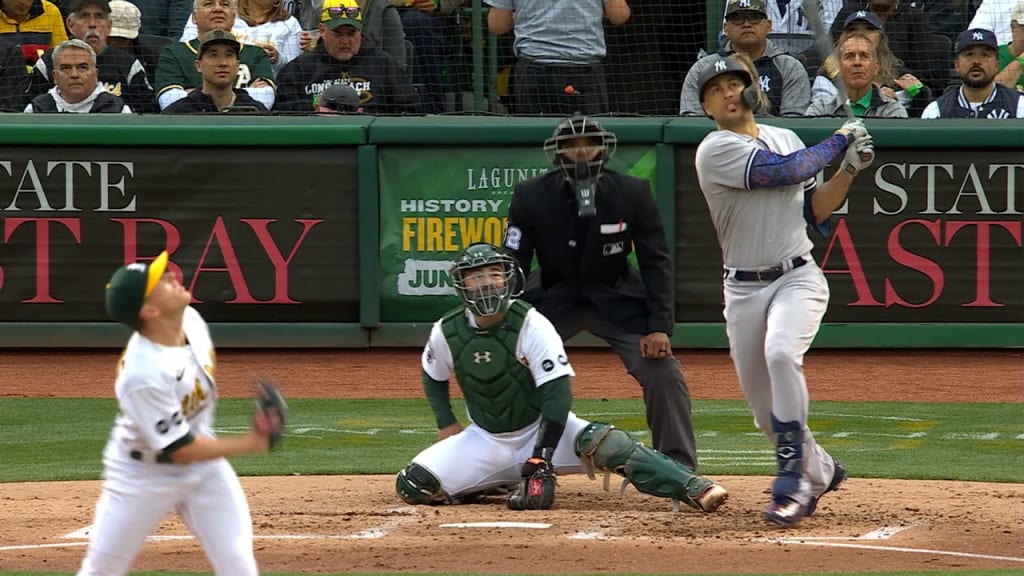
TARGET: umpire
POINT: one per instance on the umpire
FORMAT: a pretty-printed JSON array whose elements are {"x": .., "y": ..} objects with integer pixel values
[{"x": 583, "y": 221}]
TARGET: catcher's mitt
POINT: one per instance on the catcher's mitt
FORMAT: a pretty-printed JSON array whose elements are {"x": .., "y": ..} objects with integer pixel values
[
  {"x": 536, "y": 490},
  {"x": 270, "y": 402}
]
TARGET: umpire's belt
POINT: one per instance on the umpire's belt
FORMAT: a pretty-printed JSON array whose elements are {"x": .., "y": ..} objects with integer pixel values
[{"x": 765, "y": 274}]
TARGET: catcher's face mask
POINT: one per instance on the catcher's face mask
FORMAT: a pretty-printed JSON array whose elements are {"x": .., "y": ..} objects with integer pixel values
[{"x": 486, "y": 279}]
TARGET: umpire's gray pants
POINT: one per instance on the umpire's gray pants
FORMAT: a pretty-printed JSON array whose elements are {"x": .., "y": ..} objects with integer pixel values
[{"x": 666, "y": 396}]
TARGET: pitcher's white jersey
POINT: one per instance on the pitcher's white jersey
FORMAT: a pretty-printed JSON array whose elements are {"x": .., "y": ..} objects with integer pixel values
[
  {"x": 757, "y": 228},
  {"x": 164, "y": 393}
]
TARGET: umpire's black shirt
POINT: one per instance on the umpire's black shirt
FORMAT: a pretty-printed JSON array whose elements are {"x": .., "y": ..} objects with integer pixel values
[{"x": 584, "y": 260}]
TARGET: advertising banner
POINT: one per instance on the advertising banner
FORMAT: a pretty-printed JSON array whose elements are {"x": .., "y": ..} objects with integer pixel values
[
  {"x": 435, "y": 202},
  {"x": 925, "y": 236},
  {"x": 256, "y": 234}
]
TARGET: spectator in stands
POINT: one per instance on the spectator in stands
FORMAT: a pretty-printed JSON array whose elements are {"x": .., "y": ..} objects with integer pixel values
[
  {"x": 125, "y": 25},
  {"x": 341, "y": 56},
  {"x": 858, "y": 66},
  {"x": 120, "y": 71},
  {"x": 34, "y": 26},
  {"x": 76, "y": 84},
  {"x": 782, "y": 78},
  {"x": 239, "y": 27},
  {"x": 382, "y": 26},
  {"x": 911, "y": 35},
  {"x": 165, "y": 18},
  {"x": 559, "y": 46},
  {"x": 13, "y": 78},
  {"x": 951, "y": 16},
  {"x": 991, "y": 15},
  {"x": 893, "y": 79},
  {"x": 425, "y": 28},
  {"x": 1011, "y": 54},
  {"x": 791, "y": 29},
  {"x": 176, "y": 73},
  {"x": 272, "y": 28},
  {"x": 217, "y": 63},
  {"x": 979, "y": 96}
]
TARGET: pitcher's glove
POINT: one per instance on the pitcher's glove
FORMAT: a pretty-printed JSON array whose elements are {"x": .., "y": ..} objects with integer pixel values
[
  {"x": 270, "y": 403},
  {"x": 536, "y": 489}
]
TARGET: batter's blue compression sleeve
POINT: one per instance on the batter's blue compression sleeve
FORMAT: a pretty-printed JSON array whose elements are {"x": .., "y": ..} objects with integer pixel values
[
  {"x": 768, "y": 169},
  {"x": 440, "y": 403}
]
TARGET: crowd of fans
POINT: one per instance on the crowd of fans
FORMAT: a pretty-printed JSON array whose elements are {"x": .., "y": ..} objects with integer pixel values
[{"x": 892, "y": 59}]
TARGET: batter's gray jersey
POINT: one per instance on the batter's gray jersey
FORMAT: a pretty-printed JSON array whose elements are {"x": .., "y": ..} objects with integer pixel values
[{"x": 759, "y": 227}]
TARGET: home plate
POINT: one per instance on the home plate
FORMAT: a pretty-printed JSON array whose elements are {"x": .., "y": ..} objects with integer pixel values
[{"x": 495, "y": 525}]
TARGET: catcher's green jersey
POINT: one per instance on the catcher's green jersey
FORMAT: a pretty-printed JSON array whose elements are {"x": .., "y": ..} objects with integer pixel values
[
  {"x": 176, "y": 67},
  {"x": 500, "y": 369}
]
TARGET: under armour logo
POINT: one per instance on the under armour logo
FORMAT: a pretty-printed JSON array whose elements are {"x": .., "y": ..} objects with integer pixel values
[
  {"x": 720, "y": 66},
  {"x": 480, "y": 357},
  {"x": 861, "y": 14},
  {"x": 765, "y": 82},
  {"x": 977, "y": 36}
]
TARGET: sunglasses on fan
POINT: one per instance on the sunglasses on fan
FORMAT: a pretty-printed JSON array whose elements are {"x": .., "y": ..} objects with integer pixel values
[{"x": 336, "y": 12}]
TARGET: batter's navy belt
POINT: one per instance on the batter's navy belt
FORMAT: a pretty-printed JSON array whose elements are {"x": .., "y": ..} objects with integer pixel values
[{"x": 765, "y": 274}]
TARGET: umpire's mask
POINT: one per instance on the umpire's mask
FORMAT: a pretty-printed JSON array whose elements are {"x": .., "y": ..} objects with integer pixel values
[{"x": 580, "y": 147}]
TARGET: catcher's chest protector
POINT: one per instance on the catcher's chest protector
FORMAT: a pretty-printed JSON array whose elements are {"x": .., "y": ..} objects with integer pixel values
[{"x": 500, "y": 393}]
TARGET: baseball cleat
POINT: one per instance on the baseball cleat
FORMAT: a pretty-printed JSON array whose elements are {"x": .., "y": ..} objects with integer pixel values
[
  {"x": 712, "y": 498},
  {"x": 787, "y": 514},
  {"x": 838, "y": 477}
]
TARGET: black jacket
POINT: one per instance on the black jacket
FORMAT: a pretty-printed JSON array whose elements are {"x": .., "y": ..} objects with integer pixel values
[
  {"x": 104, "y": 104},
  {"x": 13, "y": 78},
  {"x": 591, "y": 266},
  {"x": 147, "y": 49},
  {"x": 197, "y": 102},
  {"x": 121, "y": 73},
  {"x": 383, "y": 86}
]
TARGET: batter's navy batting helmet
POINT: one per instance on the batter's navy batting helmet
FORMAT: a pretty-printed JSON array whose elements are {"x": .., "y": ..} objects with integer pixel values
[
  {"x": 722, "y": 65},
  {"x": 486, "y": 299}
]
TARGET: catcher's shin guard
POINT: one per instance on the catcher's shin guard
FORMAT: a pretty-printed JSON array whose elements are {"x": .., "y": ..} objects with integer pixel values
[
  {"x": 603, "y": 447},
  {"x": 417, "y": 485}
]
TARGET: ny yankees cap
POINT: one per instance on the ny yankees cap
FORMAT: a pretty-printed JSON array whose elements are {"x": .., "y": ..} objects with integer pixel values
[
  {"x": 337, "y": 13},
  {"x": 130, "y": 285},
  {"x": 863, "y": 16},
  {"x": 214, "y": 37},
  {"x": 125, "y": 19},
  {"x": 746, "y": 6},
  {"x": 976, "y": 37}
]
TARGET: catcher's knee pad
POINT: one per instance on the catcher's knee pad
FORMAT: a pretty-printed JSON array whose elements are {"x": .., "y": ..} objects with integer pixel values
[
  {"x": 604, "y": 447},
  {"x": 417, "y": 485}
]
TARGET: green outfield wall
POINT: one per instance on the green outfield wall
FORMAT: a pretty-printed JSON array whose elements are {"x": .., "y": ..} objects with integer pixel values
[{"x": 338, "y": 231}]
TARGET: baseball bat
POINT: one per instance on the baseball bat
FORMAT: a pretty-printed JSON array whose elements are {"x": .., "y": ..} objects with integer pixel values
[{"x": 823, "y": 43}]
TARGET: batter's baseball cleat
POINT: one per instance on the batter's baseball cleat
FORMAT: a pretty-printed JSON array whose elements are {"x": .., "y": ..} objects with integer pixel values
[
  {"x": 787, "y": 513},
  {"x": 838, "y": 477}
]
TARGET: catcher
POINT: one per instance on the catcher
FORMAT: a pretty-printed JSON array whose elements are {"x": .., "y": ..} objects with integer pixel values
[{"x": 514, "y": 374}]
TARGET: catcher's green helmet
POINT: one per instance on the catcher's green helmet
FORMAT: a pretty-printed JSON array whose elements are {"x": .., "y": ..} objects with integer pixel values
[{"x": 491, "y": 298}]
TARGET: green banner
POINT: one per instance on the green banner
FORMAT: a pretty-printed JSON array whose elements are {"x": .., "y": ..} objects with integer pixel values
[{"x": 434, "y": 202}]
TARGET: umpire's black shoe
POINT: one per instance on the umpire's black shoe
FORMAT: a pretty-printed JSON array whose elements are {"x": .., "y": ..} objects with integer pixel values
[{"x": 838, "y": 477}]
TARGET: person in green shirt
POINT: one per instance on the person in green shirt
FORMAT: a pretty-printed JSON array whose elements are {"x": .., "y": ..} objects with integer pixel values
[
  {"x": 1011, "y": 54},
  {"x": 858, "y": 66}
]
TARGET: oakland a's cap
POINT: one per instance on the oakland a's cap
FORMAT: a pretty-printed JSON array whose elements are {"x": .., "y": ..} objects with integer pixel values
[{"x": 130, "y": 285}]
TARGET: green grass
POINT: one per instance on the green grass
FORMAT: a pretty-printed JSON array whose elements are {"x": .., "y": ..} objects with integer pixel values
[{"x": 61, "y": 439}]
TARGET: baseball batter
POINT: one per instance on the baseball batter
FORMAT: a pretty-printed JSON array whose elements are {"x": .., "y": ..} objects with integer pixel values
[
  {"x": 759, "y": 183},
  {"x": 162, "y": 455},
  {"x": 515, "y": 377}
]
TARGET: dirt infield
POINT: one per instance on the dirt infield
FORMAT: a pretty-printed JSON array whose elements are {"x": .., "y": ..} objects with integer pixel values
[{"x": 320, "y": 524}]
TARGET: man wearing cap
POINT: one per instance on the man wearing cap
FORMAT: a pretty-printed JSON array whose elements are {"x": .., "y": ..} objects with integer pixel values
[
  {"x": 979, "y": 95},
  {"x": 217, "y": 63},
  {"x": 176, "y": 73},
  {"x": 125, "y": 25},
  {"x": 342, "y": 57},
  {"x": 1011, "y": 55},
  {"x": 760, "y": 184},
  {"x": 119, "y": 71},
  {"x": 781, "y": 77},
  {"x": 339, "y": 99},
  {"x": 35, "y": 26},
  {"x": 162, "y": 454},
  {"x": 77, "y": 88}
]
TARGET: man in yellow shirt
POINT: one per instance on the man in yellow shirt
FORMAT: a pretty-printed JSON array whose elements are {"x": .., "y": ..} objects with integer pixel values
[{"x": 35, "y": 26}]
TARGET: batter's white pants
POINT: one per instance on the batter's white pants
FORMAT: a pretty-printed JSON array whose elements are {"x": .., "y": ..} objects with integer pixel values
[
  {"x": 770, "y": 328},
  {"x": 475, "y": 460},
  {"x": 137, "y": 496}
]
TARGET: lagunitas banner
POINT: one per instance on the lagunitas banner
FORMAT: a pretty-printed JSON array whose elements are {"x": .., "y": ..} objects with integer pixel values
[
  {"x": 931, "y": 236},
  {"x": 257, "y": 234},
  {"x": 435, "y": 202}
]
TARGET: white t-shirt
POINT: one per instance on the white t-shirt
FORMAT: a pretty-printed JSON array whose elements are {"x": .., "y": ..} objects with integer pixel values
[{"x": 282, "y": 34}]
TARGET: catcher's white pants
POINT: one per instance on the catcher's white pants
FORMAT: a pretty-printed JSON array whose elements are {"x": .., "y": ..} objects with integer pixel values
[
  {"x": 770, "y": 327},
  {"x": 475, "y": 460},
  {"x": 137, "y": 496}
]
